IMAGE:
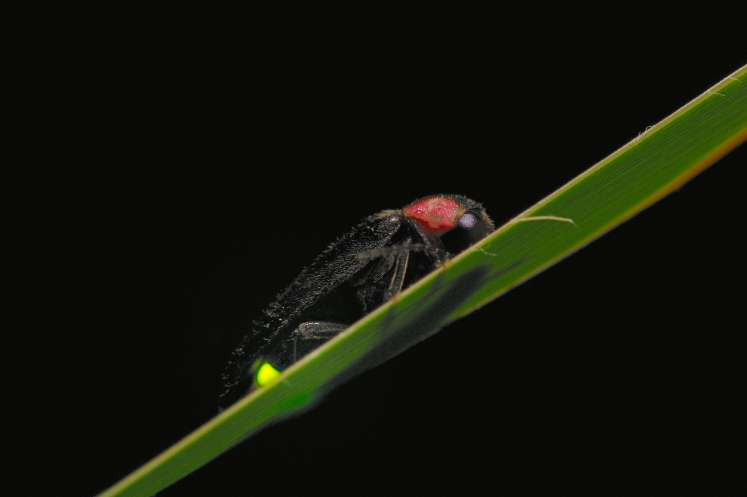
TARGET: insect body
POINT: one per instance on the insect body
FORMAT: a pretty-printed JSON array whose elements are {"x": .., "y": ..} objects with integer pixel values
[{"x": 364, "y": 268}]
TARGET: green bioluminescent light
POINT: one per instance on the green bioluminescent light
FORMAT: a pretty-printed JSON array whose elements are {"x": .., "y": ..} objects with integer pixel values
[{"x": 266, "y": 374}]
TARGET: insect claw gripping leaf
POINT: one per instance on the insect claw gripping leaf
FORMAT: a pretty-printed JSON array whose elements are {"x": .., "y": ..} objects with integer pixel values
[{"x": 372, "y": 263}]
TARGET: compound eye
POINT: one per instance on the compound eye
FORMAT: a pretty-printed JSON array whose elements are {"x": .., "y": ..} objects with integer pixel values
[
  {"x": 467, "y": 221},
  {"x": 468, "y": 230}
]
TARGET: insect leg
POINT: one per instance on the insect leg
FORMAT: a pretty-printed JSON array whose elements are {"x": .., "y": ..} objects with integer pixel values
[
  {"x": 398, "y": 277},
  {"x": 434, "y": 252}
]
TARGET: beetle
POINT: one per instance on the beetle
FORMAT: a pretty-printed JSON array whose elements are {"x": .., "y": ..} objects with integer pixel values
[{"x": 384, "y": 254}]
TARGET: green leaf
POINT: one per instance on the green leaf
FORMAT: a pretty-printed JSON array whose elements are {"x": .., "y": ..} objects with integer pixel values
[{"x": 642, "y": 172}]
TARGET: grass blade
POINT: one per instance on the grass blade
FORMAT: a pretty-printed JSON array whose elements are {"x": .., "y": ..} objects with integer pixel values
[{"x": 640, "y": 173}]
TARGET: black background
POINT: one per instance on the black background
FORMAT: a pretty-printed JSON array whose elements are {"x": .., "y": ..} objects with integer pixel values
[{"x": 186, "y": 166}]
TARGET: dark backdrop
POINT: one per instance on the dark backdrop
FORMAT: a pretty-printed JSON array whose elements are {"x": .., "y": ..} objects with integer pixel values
[{"x": 187, "y": 166}]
